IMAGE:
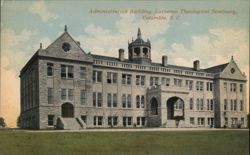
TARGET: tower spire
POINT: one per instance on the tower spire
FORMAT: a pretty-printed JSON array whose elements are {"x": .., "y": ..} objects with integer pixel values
[{"x": 139, "y": 33}]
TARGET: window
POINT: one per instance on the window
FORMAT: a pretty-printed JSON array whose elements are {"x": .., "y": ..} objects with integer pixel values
[
  {"x": 140, "y": 101},
  {"x": 226, "y": 121},
  {"x": 192, "y": 121},
  {"x": 235, "y": 105},
  {"x": 112, "y": 121},
  {"x": 83, "y": 97},
  {"x": 242, "y": 120},
  {"x": 201, "y": 121},
  {"x": 233, "y": 87},
  {"x": 199, "y": 85},
  {"x": 67, "y": 94},
  {"x": 225, "y": 104},
  {"x": 126, "y": 101},
  {"x": 71, "y": 94},
  {"x": 241, "y": 105},
  {"x": 67, "y": 71},
  {"x": 232, "y": 105},
  {"x": 140, "y": 80},
  {"x": 178, "y": 105},
  {"x": 97, "y": 76},
  {"x": 82, "y": 72},
  {"x": 165, "y": 81},
  {"x": 225, "y": 86},
  {"x": 241, "y": 87},
  {"x": 140, "y": 121},
  {"x": 154, "y": 81},
  {"x": 98, "y": 120},
  {"x": 111, "y": 78},
  {"x": 127, "y": 121},
  {"x": 191, "y": 104},
  {"x": 199, "y": 104},
  {"x": 50, "y": 69},
  {"x": 51, "y": 120},
  {"x": 63, "y": 94},
  {"x": 97, "y": 99},
  {"x": 210, "y": 121},
  {"x": 112, "y": 100},
  {"x": 50, "y": 95},
  {"x": 209, "y": 86},
  {"x": 126, "y": 79},
  {"x": 210, "y": 104},
  {"x": 189, "y": 84},
  {"x": 177, "y": 82}
]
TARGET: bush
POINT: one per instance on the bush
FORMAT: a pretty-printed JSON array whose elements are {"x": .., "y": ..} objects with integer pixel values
[{"x": 2, "y": 123}]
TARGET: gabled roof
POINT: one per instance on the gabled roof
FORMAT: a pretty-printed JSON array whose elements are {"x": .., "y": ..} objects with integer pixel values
[{"x": 217, "y": 69}]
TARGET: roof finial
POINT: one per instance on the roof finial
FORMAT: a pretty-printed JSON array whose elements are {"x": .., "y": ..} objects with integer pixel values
[
  {"x": 139, "y": 33},
  {"x": 232, "y": 58},
  {"x": 41, "y": 45},
  {"x": 65, "y": 28}
]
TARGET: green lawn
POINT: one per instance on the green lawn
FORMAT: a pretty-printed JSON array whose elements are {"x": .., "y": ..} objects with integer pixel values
[{"x": 223, "y": 142}]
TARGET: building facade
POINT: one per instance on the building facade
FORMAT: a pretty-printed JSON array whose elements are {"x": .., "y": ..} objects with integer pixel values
[{"x": 64, "y": 87}]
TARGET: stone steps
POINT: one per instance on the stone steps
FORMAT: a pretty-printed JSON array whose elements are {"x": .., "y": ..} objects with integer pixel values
[{"x": 71, "y": 124}]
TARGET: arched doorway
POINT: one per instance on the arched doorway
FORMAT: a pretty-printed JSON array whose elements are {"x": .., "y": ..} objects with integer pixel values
[
  {"x": 154, "y": 106},
  {"x": 67, "y": 110},
  {"x": 175, "y": 108}
]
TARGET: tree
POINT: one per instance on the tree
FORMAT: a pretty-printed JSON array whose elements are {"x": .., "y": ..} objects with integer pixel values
[
  {"x": 248, "y": 120},
  {"x": 18, "y": 122},
  {"x": 2, "y": 123}
]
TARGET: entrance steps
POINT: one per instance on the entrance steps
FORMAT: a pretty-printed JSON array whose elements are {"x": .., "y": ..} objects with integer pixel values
[{"x": 72, "y": 124}]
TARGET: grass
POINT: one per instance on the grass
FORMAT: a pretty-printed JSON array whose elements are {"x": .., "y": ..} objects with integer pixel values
[{"x": 84, "y": 143}]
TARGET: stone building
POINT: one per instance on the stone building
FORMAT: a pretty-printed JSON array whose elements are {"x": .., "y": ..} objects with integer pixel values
[{"x": 64, "y": 87}]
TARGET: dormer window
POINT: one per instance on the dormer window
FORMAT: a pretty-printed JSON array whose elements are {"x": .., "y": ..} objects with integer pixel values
[{"x": 66, "y": 47}]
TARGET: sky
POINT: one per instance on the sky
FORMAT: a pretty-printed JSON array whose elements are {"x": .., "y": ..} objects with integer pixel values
[{"x": 211, "y": 31}]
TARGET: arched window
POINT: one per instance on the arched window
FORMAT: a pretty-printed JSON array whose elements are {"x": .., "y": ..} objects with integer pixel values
[
  {"x": 145, "y": 52},
  {"x": 137, "y": 51},
  {"x": 154, "y": 106}
]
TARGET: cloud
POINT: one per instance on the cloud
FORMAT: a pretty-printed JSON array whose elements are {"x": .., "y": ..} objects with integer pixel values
[
  {"x": 107, "y": 41},
  {"x": 16, "y": 51},
  {"x": 14, "y": 47},
  {"x": 40, "y": 9}
]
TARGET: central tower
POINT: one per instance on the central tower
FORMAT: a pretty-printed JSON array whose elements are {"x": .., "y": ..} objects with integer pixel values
[{"x": 139, "y": 50}]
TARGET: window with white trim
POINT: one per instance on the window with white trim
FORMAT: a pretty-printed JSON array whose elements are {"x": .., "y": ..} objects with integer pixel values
[
  {"x": 201, "y": 121},
  {"x": 140, "y": 99},
  {"x": 97, "y": 99},
  {"x": 111, "y": 78},
  {"x": 140, "y": 80},
  {"x": 112, "y": 100},
  {"x": 126, "y": 79},
  {"x": 82, "y": 72},
  {"x": 97, "y": 76},
  {"x": 126, "y": 101},
  {"x": 189, "y": 84},
  {"x": 50, "y": 69},
  {"x": 67, "y": 71}
]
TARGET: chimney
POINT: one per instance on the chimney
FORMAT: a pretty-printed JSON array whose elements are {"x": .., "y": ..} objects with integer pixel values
[
  {"x": 121, "y": 54},
  {"x": 164, "y": 60},
  {"x": 196, "y": 65}
]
